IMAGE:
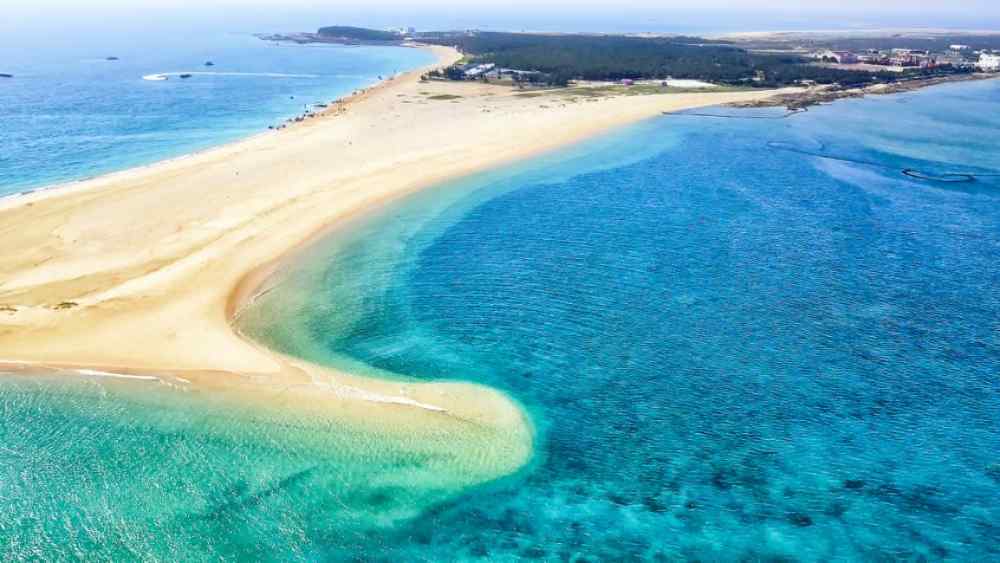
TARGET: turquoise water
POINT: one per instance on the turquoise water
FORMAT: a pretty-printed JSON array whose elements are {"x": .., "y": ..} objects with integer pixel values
[
  {"x": 738, "y": 339},
  {"x": 741, "y": 339},
  {"x": 103, "y": 469},
  {"x": 69, "y": 114}
]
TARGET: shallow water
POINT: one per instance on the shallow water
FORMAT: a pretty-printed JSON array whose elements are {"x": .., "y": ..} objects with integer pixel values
[
  {"x": 733, "y": 350},
  {"x": 107, "y": 469},
  {"x": 69, "y": 114},
  {"x": 730, "y": 351}
]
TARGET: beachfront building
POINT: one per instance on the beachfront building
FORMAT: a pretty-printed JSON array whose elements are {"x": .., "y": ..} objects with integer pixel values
[
  {"x": 845, "y": 57},
  {"x": 988, "y": 62},
  {"x": 518, "y": 74},
  {"x": 953, "y": 59},
  {"x": 840, "y": 57},
  {"x": 515, "y": 75},
  {"x": 875, "y": 57},
  {"x": 912, "y": 57}
]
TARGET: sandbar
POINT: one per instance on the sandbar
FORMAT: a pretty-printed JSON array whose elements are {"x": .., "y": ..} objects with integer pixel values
[{"x": 142, "y": 271}]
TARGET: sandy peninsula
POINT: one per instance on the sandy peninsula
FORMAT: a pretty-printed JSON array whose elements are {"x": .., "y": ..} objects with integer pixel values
[{"x": 141, "y": 272}]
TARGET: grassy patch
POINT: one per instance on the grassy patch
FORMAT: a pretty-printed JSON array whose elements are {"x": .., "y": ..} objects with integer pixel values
[
  {"x": 590, "y": 92},
  {"x": 641, "y": 90},
  {"x": 443, "y": 97}
]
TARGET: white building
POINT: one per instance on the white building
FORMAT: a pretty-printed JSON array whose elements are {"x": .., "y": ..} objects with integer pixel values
[
  {"x": 842, "y": 57},
  {"x": 988, "y": 62},
  {"x": 479, "y": 70}
]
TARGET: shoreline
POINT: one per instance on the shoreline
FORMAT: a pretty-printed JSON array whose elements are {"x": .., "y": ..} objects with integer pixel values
[
  {"x": 123, "y": 173},
  {"x": 253, "y": 284},
  {"x": 818, "y": 96},
  {"x": 85, "y": 285}
]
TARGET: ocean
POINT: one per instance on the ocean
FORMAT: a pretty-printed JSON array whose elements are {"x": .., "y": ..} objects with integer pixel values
[
  {"x": 68, "y": 113},
  {"x": 739, "y": 335}
]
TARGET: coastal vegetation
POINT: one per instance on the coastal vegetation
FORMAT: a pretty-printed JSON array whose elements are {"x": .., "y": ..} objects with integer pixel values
[
  {"x": 541, "y": 59},
  {"x": 560, "y": 59}
]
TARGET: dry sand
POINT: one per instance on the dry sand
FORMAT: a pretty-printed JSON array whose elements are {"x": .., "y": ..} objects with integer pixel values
[{"x": 141, "y": 271}]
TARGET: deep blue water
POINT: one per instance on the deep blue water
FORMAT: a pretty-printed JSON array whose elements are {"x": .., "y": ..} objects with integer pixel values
[
  {"x": 740, "y": 339},
  {"x": 70, "y": 114}
]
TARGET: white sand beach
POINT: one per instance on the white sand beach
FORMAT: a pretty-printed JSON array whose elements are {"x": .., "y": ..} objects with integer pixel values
[{"x": 140, "y": 272}]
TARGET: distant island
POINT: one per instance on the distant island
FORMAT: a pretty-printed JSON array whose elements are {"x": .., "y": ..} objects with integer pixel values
[
  {"x": 840, "y": 61},
  {"x": 358, "y": 34},
  {"x": 342, "y": 35}
]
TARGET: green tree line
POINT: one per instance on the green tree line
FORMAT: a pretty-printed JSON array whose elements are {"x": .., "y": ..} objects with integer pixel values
[{"x": 609, "y": 57}]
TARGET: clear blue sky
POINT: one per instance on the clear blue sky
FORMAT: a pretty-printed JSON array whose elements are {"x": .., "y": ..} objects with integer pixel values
[{"x": 27, "y": 16}]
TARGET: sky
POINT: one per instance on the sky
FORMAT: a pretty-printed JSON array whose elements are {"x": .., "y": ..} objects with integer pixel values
[{"x": 58, "y": 17}]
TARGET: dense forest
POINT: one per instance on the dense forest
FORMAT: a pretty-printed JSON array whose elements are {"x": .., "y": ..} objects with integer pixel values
[
  {"x": 603, "y": 57},
  {"x": 608, "y": 57}
]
